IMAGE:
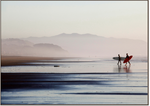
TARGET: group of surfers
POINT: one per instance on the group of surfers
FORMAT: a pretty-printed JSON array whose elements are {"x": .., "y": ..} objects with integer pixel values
[{"x": 119, "y": 60}]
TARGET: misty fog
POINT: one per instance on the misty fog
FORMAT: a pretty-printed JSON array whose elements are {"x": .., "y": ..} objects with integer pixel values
[{"x": 71, "y": 45}]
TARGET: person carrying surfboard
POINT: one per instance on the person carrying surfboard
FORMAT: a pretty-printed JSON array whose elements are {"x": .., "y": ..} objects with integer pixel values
[
  {"x": 127, "y": 56},
  {"x": 119, "y": 59}
]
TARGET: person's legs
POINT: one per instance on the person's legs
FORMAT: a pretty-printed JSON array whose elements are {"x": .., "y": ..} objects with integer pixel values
[
  {"x": 118, "y": 62},
  {"x": 129, "y": 62}
]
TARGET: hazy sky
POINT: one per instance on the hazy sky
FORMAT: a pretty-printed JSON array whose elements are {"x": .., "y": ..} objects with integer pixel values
[{"x": 119, "y": 19}]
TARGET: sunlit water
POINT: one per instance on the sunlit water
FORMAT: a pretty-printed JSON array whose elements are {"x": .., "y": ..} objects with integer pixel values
[{"x": 81, "y": 81}]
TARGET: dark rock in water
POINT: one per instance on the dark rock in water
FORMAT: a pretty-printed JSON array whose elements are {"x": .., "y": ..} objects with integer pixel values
[{"x": 56, "y": 65}]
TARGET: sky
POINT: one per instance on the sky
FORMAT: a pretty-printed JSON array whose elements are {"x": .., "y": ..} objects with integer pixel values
[{"x": 118, "y": 19}]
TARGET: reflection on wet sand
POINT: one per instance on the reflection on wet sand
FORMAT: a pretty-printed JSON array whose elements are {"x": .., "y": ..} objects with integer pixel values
[
  {"x": 64, "y": 88},
  {"x": 119, "y": 68},
  {"x": 125, "y": 69},
  {"x": 74, "y": 83}
]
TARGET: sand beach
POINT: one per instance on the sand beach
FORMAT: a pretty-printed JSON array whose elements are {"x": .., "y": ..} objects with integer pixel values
[
  {"x": 75, "y": 81},
  {"x": 16, "y": 60}
]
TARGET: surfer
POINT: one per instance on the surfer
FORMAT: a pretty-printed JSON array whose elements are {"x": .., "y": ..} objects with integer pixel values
[
  {"x": 127, "y": 56},
  {"x": 119, "y": 59}
]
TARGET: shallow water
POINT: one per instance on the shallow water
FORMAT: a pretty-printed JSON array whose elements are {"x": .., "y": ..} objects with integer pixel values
[{"x": 76, "y": 81}]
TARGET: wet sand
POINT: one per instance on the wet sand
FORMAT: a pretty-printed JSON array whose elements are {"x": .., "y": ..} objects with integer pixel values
[
  {"x": 101, "y": 82},
  {"x": 72, "y": 88},
  {"x": 35, "y": 81}
]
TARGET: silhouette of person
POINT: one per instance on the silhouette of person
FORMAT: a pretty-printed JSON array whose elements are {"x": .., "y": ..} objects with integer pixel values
[
  {"x": 119, "y": 59},
  {"x": 127, "y": 56}
]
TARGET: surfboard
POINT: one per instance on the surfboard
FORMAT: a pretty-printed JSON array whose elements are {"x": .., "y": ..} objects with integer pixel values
[
  {"x": 117, "y": 58},
  {"x": 127, "y": 59}
]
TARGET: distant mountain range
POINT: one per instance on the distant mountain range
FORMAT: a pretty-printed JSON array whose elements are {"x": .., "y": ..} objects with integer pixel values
[
  {"x": 93, "y": 45},
  {"x": 18, "y": 47}
]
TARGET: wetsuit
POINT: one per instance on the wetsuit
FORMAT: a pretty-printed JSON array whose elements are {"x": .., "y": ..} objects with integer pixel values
[
  {"x": 119, "y": 60},
  {"x": 128, "y": 58}
]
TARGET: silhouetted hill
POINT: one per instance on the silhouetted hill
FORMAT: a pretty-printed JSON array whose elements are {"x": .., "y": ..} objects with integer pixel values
[
  {"x": 93, "y": 45},
  {"x": 47, "y": 49},
  {"x": 47, "y": 46},
  {"x": 16, "y": 42},
  {"x": 76, "y": 35},
  {"x": 18, "y": 47}
]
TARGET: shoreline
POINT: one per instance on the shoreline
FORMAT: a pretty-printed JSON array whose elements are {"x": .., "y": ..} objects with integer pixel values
[{"x": 17, "y": 60}]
